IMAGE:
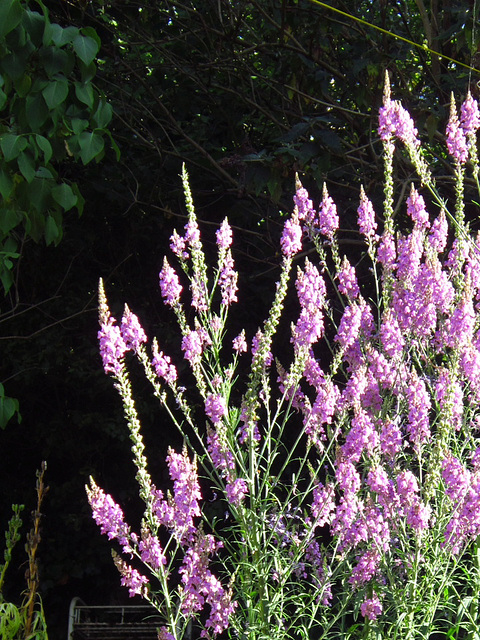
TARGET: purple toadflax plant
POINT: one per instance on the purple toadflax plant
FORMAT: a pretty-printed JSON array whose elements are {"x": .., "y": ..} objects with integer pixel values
[{"x": 351, "y": 489}]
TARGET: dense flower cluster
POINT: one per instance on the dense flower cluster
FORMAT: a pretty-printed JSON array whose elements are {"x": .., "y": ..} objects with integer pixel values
[{"x": 388, "y": 411}]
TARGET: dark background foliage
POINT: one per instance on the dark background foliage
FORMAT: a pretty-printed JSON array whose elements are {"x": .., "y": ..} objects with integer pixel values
[{"x": 246, "y": 94}]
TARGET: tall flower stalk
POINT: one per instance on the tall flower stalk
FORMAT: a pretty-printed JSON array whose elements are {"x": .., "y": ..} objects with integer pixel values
[{"x": 350, "y": 488}]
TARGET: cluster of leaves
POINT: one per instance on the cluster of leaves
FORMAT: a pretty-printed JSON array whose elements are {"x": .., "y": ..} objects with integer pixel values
[
  {"x": 50, "y": 112},
  {"x": 248, "y": 93}
]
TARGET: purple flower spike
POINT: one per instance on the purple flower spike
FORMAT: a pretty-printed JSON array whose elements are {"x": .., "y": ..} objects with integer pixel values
[
  {"x": 456, "y": 140},
  {"x": 303, "y": 204},
  {"x": 228, "y": 280},
  {"x": 134, "y": 581},
  {"x": 224, "y": 236},
  {"x": 108, "y": 515},
  {"x": 178, "y": 246},
  {"x": 163, "y": 365},
  {"x": 327, "y": 215},
  {"x": 236, "y": 491},
  {"x": 132, "y": 331},
  {"x": 170, "y": 286},
  {"x": 291, "y": 240},
  {"x": 469, "y": 116},
  {"x": 366, "y": 216},
  {"x": 215, "y": 407},
  {"x": 347, "y": 280},
  {"x": 112, "y": 347},
  {"x": 395, "y": 121},
  {"x": 371, "y": 608},
  {"x": 240, "y": 344},
  {"x": 186, "y": 496},
  {"x": 416, "y": 209}
]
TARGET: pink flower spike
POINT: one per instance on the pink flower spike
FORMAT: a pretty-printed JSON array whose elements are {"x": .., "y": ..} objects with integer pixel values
[
  {"x": 327, "y": 215},
  {"x": 215, "y": 407},
  {"x": 366, "y": 216},
  {"x": 178, "y": 246},
  {"x": 163, "y": 365},
  {"x": 303, "y": 204},
  {"x": 170, "y": 286},
  {"x": 469, "y": 116},
  {"x": 455, "y": 135},
  {"x": 236, "y": 491},
  {"x": 291, "y": 240},
  {"x": 371, "y": 608},
  {"x": 239, "y": 343},
  {"x": 416, "y": 209},
  {"x": 347, "y": 280},
  {"x": 112, "y": 347},
  {"x": 224, "y": 236},
  {"x": 134, "y": 581},
  {"x": 132, "y": 331}
]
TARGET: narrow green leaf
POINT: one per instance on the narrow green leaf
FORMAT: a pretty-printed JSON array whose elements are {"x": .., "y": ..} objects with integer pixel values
[
  {"x": 91, "y": 145},
  {"x": 55, "y": 93},
  {"x": 3, "y": 99},
  {"x": 64, "y": 196},
  {"x": 86, "y": 48},
  {"x": 12, "y": 145}
]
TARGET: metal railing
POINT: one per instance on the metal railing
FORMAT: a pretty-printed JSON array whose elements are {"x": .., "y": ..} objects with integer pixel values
[{"x": 112, "y": 622}]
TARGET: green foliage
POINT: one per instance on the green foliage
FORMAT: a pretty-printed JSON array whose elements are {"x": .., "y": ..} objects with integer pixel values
[
  {"x": 50, "y": 116},
  {"x": 8, "y": 408}
]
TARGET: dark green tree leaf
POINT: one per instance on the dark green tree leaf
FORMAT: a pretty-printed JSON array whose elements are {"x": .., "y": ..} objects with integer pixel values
[
  {"x": 91, "y": 146},
  {"x": 36, "y": 111},
  {"x": 12, "y": 145},
  {"x": 26, "y": 165},
  {"x": 53, "y": 233},
  {"x": 11, "y": 13},
  {"x": 45, "y": 146},
  {"x": 64, "y": 196},
  {"x": 55, "y": 92},
  {"x": 86, "y": 48}
]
